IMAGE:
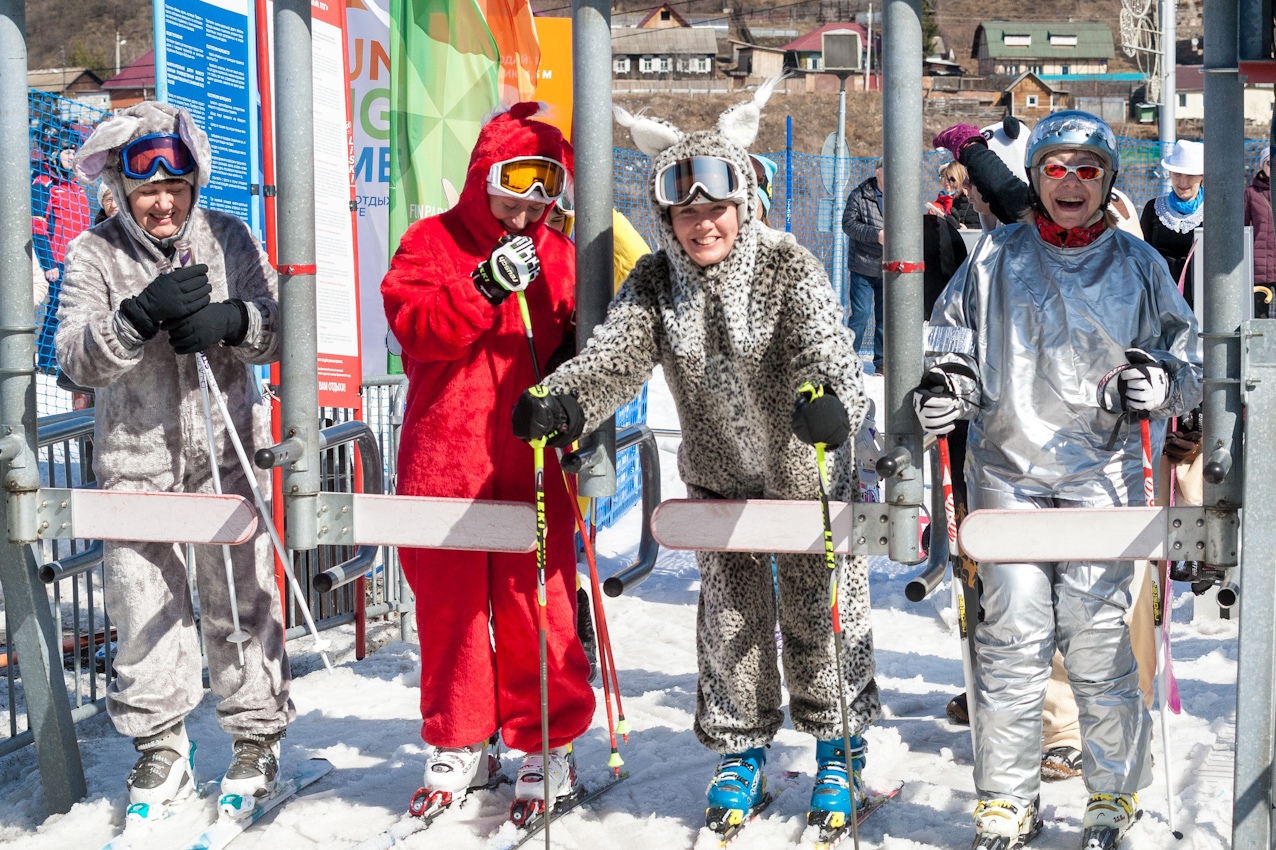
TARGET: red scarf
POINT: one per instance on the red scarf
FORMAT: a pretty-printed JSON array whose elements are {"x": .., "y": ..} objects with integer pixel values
[{"x": 1061, "y": 237}]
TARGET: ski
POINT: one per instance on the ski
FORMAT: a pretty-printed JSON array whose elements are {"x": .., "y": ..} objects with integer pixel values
[
  {"x": 410, "y": 823},
  {"x": 181, "y": 816},
  {"x": 732, "y": 832},
  {"x": 225, "y": 830},
  {"x": 832, "y": 838},
  {"x": 564, "y": 805}
]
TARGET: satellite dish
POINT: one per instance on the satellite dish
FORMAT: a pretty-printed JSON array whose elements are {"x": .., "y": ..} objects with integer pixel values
[{"x": 827, "y": 163}]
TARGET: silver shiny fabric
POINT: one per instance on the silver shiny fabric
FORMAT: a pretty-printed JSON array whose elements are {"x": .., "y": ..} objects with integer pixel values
[
  {"x": 1048, "y": 324},
  {"x": 1028, "y": 610}
]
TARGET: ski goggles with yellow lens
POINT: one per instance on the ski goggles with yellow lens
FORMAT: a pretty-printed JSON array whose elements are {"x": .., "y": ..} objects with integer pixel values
[
  {"x": 699, "y": 179},
  {"x": 142, "y": 157},
  {"x": 532, "y": 178}
]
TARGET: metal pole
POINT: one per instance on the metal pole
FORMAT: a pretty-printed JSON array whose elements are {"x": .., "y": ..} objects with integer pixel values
[
  {"x": 868, "y": 61},
  {"x": 788, "y": 174},
  {"x": 1169, "y": 58},
  {"x": 294, "y": 133},
  {"x": 839, "y": 198},
  {"x": 30, "y": 622},
  {"x": 1226, "y": 306},
  {"x": 591, "y": 130},
  {"x": 902, "y": 258}
]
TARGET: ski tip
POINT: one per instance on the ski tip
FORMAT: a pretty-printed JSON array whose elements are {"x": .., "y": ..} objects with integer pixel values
[{"x": 1178, "y": 834}]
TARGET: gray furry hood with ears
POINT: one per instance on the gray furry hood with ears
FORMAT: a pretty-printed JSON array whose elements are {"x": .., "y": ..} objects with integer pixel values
[
  {"x": 99, "y": 157},
  {"x": 730, "y": 281}
]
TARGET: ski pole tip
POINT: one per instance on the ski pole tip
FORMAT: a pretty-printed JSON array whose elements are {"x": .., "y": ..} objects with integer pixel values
[{"x": 623, "y": 727}]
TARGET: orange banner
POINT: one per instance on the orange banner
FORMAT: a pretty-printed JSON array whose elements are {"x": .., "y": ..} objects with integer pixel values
[{"x": 514, "y": 30}]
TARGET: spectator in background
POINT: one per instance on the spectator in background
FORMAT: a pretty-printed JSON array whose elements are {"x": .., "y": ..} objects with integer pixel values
[
  {"x": 106, "y": 206},
  {"x": 953, "y": 200},
  {"x": 59, "y": 213},
  {"x": 1169, "y": 220},
  {"x": 764, "y": 169},
  {"x": 863, "y": 222},
  {"x": 1258, "y": 214}
]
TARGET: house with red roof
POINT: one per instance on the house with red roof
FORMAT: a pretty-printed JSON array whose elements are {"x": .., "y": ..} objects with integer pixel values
[
  {"x": 808, "y": 50},
  {"x": 134, "y": 83}
]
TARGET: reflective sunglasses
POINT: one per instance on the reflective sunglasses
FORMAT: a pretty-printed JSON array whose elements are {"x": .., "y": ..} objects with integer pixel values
[
  {"x": 708, "y": 178},
  {"x": 144, "y": 155},
  {"x": 1058, "y": 171},
  {"x": 534, "y": 178}
]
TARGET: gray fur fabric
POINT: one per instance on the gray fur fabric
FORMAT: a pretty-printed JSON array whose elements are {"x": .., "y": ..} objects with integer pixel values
[{"x": 736, "y": 340}]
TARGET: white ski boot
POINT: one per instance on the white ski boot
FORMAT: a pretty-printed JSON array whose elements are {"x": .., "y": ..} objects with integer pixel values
[
  {"x": 451, "y": 773},
  {"x": 252, "y": 775},
  {"x": 1107, "y": 817},
  {"x": 164, "y": 773},
  {"x": 529, "y": 788},
  {"x": 1002, "y": 824}
]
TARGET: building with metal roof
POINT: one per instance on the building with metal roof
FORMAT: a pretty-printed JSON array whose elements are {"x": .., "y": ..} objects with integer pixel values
[{"x": 1044, "y": 48}]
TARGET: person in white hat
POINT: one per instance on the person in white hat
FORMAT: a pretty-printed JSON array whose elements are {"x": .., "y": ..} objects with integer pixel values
[
  {"x": 1168, "y": 220},
  {"x": 1258, "y": 214}
]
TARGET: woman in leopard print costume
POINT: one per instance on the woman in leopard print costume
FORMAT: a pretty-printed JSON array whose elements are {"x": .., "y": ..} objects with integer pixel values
[{"x": 739, "y": 316}]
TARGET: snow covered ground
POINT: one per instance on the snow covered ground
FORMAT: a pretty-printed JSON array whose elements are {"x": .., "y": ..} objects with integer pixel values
[{"x": 363, "y": 717}]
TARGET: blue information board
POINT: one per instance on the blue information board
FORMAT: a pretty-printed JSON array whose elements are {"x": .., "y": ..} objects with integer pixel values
[{"x": 205, "y": 61}]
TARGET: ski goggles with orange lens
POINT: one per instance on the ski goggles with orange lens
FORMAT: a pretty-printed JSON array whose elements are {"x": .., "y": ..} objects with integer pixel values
[
  {"x": 532, "y": 178},
  {"x": 1058, "y": 171},
  {"x": 703, "y": 178},
  {"x": 144, "y": 155}
]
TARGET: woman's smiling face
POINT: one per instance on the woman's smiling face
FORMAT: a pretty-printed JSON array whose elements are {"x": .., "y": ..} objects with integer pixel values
[
  {"x": 706, "y": 231},
  {"x": 1071, "y": 202}
]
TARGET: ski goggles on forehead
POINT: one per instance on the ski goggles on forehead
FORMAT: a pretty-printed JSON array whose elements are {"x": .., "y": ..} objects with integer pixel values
[
  {"x": 143, "y": 156},
  {"x": 535, "y": 178},
  {"x": 1058, "y": 171},
  {"x": 708, "y": 177}
]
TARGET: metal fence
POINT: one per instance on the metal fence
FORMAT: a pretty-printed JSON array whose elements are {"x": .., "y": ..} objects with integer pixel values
[{"x": 355, "y": 457}]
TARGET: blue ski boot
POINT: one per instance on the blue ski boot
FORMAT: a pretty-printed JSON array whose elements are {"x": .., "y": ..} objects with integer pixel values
[
  {"x": 831, "y": 797},
  {"x": 737, "y": 789}
]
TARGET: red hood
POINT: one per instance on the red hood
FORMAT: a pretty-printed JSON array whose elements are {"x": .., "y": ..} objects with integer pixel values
[{"x": 509, "y": 134}]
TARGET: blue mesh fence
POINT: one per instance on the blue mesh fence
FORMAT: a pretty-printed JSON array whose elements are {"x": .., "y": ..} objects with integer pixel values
[
  {"x": 61, "y": 209},
  {"x": 814, "y": 213}
]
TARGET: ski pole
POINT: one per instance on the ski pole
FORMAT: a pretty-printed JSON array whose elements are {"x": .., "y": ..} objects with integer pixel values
[
  {"x": 606, "y": 660},
  {"x": 238, "y": 636},
  {"x": 250, "y": 474},
  {"x": 830, "y": 560},
  {"x": 542, "y": 615},
  {"x": 959, "y": 593},
  {"x": 185, "y": 256},
  {"x": 1162, "y": 677}
]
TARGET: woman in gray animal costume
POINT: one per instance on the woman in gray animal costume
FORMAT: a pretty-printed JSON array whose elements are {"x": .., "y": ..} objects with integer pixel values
[
  {"x": 128, "y": 323},
  {"x": 740, "y": 317}
]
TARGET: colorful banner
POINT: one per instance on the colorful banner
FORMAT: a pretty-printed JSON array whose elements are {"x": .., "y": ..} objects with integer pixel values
[
  {"x": 554, "y": 74},
  {"x": 514, "y": 29},
  {"x": 368, "y": 39},
  {"x": 205, "y": 62},
  {"x": 444, "y": 79}
]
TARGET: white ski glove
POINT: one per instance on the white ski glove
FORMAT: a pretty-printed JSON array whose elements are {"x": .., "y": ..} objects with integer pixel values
[
  {"x": 943, "y": 397},
  {"x": 1145, "y": 385},
  {"x": 512, "y": 265}
]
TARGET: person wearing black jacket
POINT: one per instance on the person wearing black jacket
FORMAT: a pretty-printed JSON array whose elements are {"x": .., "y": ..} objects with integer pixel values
[{"x": 863, "y": 222}]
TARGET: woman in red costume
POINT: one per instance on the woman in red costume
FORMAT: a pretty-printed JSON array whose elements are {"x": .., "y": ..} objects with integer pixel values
[{"x": 447, "y": 299}]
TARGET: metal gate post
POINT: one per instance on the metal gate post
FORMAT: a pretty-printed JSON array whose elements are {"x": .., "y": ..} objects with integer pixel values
[
  {"x": 1255, "y": 670},
  {"x": 31, "y": 629},
  {"x": 902, "y": 261},
  {"x": 299, "y": 381},
  {"x": 591, "y": 138}
]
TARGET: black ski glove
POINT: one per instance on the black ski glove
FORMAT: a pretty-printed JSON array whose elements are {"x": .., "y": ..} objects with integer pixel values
[
  {"x": 513, "y": 264},
  {"x": 555, "y": 417},
  {"x": 820, "y": 417},
  {"x": 172, "y": 295},
  {"x": 223, "y": 322}
]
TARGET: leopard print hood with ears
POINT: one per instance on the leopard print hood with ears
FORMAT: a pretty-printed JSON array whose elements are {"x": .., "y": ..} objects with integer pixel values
[{"x": 729, "y": 281}]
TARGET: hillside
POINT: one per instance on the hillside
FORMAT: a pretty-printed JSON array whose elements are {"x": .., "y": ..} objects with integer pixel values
[{"x": 81, "y": 33}]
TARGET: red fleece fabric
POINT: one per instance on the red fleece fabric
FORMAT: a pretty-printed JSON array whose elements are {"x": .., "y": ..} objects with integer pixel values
[{"x": 467, "y": 362}]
